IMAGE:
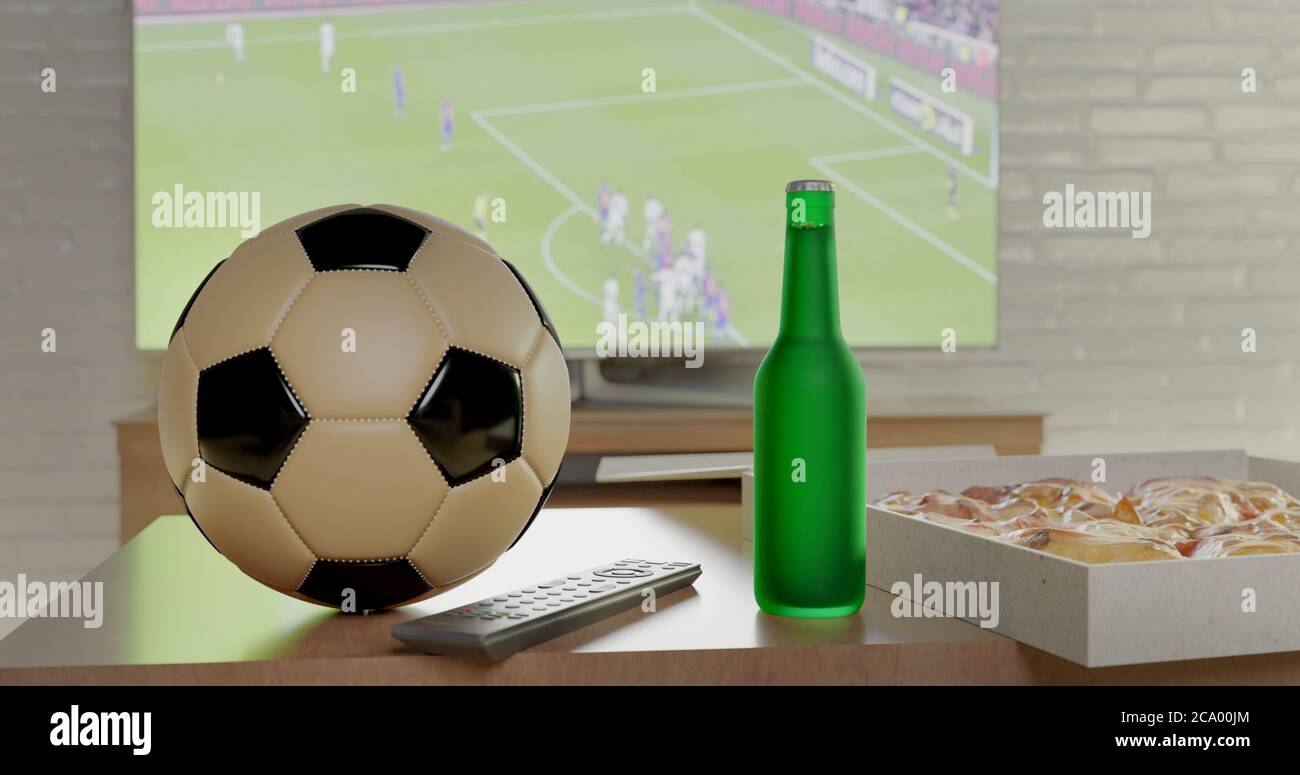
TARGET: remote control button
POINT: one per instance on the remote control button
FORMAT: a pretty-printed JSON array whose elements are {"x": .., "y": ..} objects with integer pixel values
[
  {"x": 584, "y": 583},
  {"x": 566, "y": 600},
  {"x": 512, "y": 605},
  {"x": 622, "y": 573},
  {"x": 579, "y": 595},
  {"x": 570, "y": 589},
  {"x": 553, "y": 603},
  {"x": 550, "y": 584}
]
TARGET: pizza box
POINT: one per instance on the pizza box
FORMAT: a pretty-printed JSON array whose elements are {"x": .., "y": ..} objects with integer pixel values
[{"x": 1094, "y": 614}]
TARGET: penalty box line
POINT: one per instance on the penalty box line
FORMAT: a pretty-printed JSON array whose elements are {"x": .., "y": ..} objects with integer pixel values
[
  {"x": 481, "y": 118},
  {"x": 823, "y": 165},
  {"x": 578, "y": 204},
  {"x": 839, "y": 96}
]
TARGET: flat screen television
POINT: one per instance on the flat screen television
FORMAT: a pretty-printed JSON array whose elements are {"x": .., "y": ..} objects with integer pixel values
[{"x": 595, "y": 144}]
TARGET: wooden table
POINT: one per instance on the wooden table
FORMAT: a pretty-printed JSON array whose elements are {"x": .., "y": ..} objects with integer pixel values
[
  {"x": 601, "y": 430},
  {"x": 177, "y": 612}
]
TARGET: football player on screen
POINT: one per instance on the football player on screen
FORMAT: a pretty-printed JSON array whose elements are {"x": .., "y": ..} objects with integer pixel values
[
  {"x": 666, "y": 280},
  {"x": 326, "y": 45},
  {"x": 481, "y": 203},
  {"x": 448, "y": 115},
  {"x": 721, "y": 315},
  {"x": 399, "y": 89},
  {"x": 615, "y": 220},
  {"x": 954, "y": 211},
  {"x": 235, "y": 37},
  {"x": 638, "y": 293},
  {"x": 602, "y": 209},
  {"x": 610, "y": 305},
  {"x": 652, "y": 210}
]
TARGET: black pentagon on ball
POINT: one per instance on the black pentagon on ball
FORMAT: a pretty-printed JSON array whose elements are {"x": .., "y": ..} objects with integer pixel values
[
  {"x": 361, "y": 238},
  {"x": 248, "y": 418},
  {"x": 180, "y": 321},
  {"x": 470, "y": 415},
  {"x": 368, "y": 585}
]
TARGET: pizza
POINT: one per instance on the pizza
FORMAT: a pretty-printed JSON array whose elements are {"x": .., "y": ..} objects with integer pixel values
[{"x": 1169, "y": 518}]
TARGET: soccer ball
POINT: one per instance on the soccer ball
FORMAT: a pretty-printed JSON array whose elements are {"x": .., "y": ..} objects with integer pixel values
[{"x": 363, "y": 406}]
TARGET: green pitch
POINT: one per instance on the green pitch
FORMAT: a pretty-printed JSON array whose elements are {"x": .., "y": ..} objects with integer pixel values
[{"x": 549, "y": 105}]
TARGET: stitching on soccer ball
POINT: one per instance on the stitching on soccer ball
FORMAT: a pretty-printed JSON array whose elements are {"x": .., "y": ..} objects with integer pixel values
[
  {"x": 447, "y": 338},
  {"x": 425, "y": 387},
  {"x": 428, "y": 304},
  {"x": 231, "y": 357},
  {"x": 297, "y": 294},
  {"x": 287, "y": 383},
  {"x": 455, "y": 236},
  {"x": 416, "y": 436},
  {"x": 190, "y": 354},
  {"x": 293, "y": 449},
  {"x": 445, "y": 497},
  {"x": 314, "y": 560},
  {"x": 419, "y": 572},
  {"x": 280, "y": 509},
  {"x": 369, "y": 269},
  {"x": 529, "y": 468},
  {"x": 532, "y": 348},
  {"x": 485, "y": 355},
  {"x": 469, "y": 243}
]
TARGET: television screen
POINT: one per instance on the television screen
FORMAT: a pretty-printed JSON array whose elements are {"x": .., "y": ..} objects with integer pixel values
[{"x": 628, "y": 157}]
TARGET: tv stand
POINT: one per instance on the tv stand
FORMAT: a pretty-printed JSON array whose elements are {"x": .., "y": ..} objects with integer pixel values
[
  {"x": 600, "y": 429},
  {"x": 595, "y": 389}
]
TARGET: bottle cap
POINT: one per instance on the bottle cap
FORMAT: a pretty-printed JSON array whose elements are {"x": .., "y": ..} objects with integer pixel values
[
  {"x": 809, "y": 185},
  {"x": 809, "y": 204}
]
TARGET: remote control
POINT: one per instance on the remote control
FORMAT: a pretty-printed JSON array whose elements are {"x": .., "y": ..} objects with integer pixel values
[{"x": 496, "y": 627}]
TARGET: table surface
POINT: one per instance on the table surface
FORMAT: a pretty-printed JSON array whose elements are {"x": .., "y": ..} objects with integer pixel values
[{"x": 176, "y": 611}]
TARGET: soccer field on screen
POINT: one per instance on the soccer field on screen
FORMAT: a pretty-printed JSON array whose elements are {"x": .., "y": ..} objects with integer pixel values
[{"x": 549, "y": 105}]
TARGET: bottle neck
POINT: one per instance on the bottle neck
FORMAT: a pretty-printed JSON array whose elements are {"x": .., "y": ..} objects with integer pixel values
[{"x": 810, "y": 299}]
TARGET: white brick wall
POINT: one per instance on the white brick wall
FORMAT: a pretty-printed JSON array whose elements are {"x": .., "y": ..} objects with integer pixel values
[
  {"x": 65, "y": 263},
  {"x": 1127, "y": 344},
  {"x": 1140, "y": 339}
]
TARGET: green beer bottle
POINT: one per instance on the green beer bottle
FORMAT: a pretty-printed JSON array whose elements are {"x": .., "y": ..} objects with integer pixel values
[{"x": 810, "y": 432}]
